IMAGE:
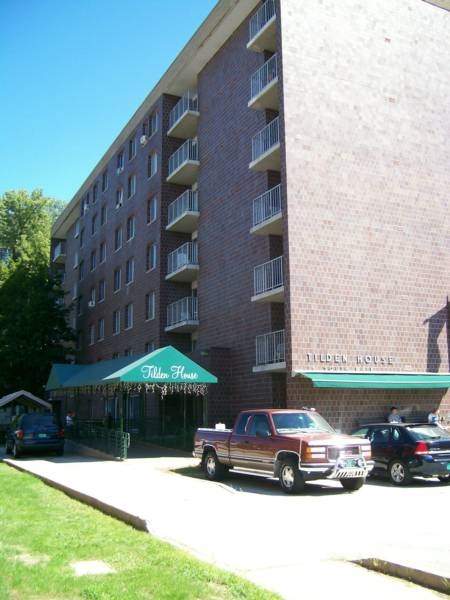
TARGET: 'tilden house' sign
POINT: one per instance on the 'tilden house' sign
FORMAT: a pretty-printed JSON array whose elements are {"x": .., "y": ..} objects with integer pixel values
[{"x": 338, "y": 361}]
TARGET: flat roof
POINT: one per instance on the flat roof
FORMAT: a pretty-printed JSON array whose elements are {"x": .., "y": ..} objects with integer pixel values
[{"x": 182, "y": 74}]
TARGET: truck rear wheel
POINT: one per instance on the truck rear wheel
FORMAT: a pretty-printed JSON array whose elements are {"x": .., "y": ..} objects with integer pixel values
[
  {"x": 213, "y": 469},
  {"x": 291, "y": 480},
  {"x": 352, "y": 484}
]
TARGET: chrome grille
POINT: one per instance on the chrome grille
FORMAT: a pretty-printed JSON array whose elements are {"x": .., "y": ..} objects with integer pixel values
[{"x": 333, "y": 452}]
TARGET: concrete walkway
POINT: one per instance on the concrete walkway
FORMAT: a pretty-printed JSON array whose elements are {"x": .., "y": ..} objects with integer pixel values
[{"x": 293, "y": 545}]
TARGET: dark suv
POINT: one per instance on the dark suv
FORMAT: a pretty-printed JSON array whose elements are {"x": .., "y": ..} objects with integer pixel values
[
  {"x": 401, "y": 451},
  {"x": 35, "y": 432}
]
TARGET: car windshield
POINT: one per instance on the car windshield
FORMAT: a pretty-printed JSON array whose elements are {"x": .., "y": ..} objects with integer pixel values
[
  {"x": 428, "y": 432},
  {"x": 300, "y": 422},
  {"x": 36, "y": 420}
]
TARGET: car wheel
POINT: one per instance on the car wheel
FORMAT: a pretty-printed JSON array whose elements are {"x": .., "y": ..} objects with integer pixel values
[
  {"x": 15, "y": 451},
  {"x": 444, "y": 478},
  {"x": 352, "y": 484},
  {"x": 213, "y": 469},
  {"x": 399, "y": 473},
  {"x": 291, "y": 480}
]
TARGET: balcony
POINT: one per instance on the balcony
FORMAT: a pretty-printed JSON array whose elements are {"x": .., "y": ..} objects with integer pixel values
[
  {"x": 59, "y": 253},
  {"x": 184, "y": 164},
  {"x": 267, "y": 215},
  {"x": 182, "y": 316},
  {"x": 183, "y": 118},
  {"x": 270, "y": 352},
  {"x": 268, "y": 281},
  {"x": 266, "y": 148},
  {"x": 264, "y": 86},
  {"x": 182, "y": 263},
  {"x": 262, "y": 28},
  {"x": 183, "y": 213}
]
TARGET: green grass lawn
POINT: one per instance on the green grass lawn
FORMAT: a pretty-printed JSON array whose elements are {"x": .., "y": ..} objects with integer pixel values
[{"x": 43, "y": 532}]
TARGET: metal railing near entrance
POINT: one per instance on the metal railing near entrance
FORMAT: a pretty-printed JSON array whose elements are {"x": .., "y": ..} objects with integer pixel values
[{"x": 94, "y": 435}]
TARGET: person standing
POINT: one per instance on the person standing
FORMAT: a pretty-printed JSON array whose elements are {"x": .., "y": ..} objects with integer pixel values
[{"x": 393, "y": 416}]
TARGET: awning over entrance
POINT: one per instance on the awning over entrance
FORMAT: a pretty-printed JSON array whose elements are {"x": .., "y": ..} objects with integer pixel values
[
  {"x": 371, "y": 380},
  {"x": 165, "y": 365}
]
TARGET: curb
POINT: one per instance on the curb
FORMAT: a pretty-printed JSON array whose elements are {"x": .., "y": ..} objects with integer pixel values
[
  {"x": 104, "y": 507},
  {"x": 440, "y": 583}
]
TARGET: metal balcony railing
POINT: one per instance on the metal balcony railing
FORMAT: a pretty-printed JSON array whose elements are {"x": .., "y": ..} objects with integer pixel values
[
  {"x": 268, "y": 276},
  {"x": 188, "y": 102},
  {"x": 267, "y": 205},
  {"x": 182, "y": 310},
  {"x": 265, "y": 139},
  {"x": 261, "y": 17},
  {"x": 187, "y": 151},
  {"x": 270, "y": 348},
  {"x": 263, "y": 76},
  {"x": 183, "y": 256},
  {"x": 187, "y": 202}
]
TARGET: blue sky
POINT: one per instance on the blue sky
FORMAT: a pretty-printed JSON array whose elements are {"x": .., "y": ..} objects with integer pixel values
[{"x": 72, "y": 73}]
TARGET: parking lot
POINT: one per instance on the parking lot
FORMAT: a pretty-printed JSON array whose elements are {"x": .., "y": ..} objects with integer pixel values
[{"x": 250, "y": 526}]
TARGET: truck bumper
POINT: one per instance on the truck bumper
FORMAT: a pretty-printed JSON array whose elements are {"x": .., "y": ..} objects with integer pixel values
[{"x": 359, "y": 467}]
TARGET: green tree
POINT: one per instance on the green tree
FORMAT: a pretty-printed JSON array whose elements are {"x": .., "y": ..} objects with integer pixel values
[{"x": 33, "y": 317}]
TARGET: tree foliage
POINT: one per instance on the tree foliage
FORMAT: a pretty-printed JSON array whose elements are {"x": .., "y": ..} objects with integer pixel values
[{"x": 33, "y": 317}]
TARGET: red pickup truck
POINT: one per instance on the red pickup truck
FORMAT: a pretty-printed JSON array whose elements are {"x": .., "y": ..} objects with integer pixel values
[{"x": 293, "y": 445}]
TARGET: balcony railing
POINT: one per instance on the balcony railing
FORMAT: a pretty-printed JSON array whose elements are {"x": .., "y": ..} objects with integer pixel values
[
  {"x": 268, "y": 276},
  {"x": 182, "y": 214},
  {"x": 270, "y": 348},
  {"x": 182, "y": 263},
  {"x": 183, "y": 164},
  {"x": 263, "y": 91},
  {"x": 187, "y": 104},
  {"x": 260, "y": 19},
  {"x": 266, "y": 148},
  {"x": 183, "y": 314},
  {"x": 267, "y": 206}
]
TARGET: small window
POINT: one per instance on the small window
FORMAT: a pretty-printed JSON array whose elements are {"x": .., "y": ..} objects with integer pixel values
[
  {"x": 152, "y": 165},
  {"x": 131, "y": 228},
  {"x": 91, "y": 334},
  {"x": 81, "y": 270},
  {"x": 149, "y": 347},
  {"x": 105, "y": 181},
  {"x": 117, "y": 279},
  {"x": 103, "y": 214},
  {"x": 151, "y": 256},
  {"x": 128, "y": 316},
  {"x": 131, "y": 148},
  {"x": 81, "y": 237},
  {"x": 153, "y": 124},
  {"x": 120, "y": 162},
  {"x": 131, "y": 186},
  {"x": 118, "y": 238},
  {"x": 101, "y": 329},
  {"x": 152, "y": 209},
  {"x": 95, "y": 193},
  {"x": 94, "y": 224},
  {"x": 93, "y": 260},
  {"x": 150, "y": 308},
  {"x": 92, "y": 296},
  {"x": 102, "y": 252},
  {"x": 119, "y": 197},
  {"x": 116, "y": 322},
  {"x": 129, "y": 271},
  {"x": 101, "y": 290}
]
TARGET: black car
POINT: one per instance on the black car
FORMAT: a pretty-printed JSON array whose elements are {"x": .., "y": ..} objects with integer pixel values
[
  {"x": 35, "y": 432},
  {"x": 402, "y": 451}
]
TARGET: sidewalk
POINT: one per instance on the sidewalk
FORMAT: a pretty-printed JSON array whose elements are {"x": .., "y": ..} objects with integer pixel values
[{"x": 292, "y": 545}]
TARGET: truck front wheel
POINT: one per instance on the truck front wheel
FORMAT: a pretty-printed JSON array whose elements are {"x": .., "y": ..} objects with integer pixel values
[
  {"x": 213, "y": 469},
  {"x": 291, "y": 480},
  {"x": 352, "y": 484}
]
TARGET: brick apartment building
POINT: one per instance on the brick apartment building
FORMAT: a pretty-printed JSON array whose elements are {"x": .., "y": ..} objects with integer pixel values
[{"x": 277, "y": 208}]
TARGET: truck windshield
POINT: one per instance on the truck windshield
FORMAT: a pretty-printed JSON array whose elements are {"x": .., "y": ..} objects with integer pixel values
[{"x": 300, "y": 422}]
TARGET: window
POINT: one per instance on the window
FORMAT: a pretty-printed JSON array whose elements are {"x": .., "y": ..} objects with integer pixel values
[
  {"x": 116, "y": 322},
  {"x": 102, "y": 252},
  {"x": 153, "y": 123},
  {"x": 128, "y": 320},
  {"x": 95, "y": 192},
  {"x": 120, "y": 162},
  {"x": 118, "y": 238},
  {"x": 149, "y": 347},
  {"x": 131, "y": 227},
  {"x": 93, "y": 260},
  {"x": 92, "y": 296},
  {"x": 128, "y": 352},
  {"x": 82, "y": 237},
  {"x": 105, "y": 180},
  {"x": 152, "y": 165},
  {"x": 91, "y": 334},
  {"x": 103, "y": 215},
  {"x": 85, "y": 204},
  {"x": 101, "y": 290},
  {"x": 81, "y": 270},
  {"x": 117, "y": 279},
  {"x": 150, "y": 306},
  {"x": 94, "y": 224},
  {"x": 131, "y": 186},
  {"x": 151, "y": 257},
  {"x": 129, "y": 271},
  {"x": 152, "y": 209},
  {"x": 79, "y": 305},
  {"x": 119, "y": 197},
  {"x": 101, "y": 329},
  {"x": 131, "y": 148},
  {"x": 77, "y": 229},
  {"x": 115, "y": 355}
]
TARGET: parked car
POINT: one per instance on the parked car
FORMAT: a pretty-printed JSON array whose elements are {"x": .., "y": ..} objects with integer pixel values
[
  {"x": 35, "y": 432},
  {"x": 402, "y": 451}
]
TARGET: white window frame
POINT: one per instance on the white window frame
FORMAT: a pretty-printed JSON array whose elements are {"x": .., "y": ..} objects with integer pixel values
[
  {"x": 150, "y": 315},
  {"x": 128, "y": 316},
  {"x": 152, "y": 209},
  {"x": 116, "y": 322},
  {"x": 152, "y": 164}
]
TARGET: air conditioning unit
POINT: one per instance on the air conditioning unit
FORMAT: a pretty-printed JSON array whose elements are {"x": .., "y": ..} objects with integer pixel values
[
  {"x": 143, "y": 140},
  {"x": 91, "y": 303}
]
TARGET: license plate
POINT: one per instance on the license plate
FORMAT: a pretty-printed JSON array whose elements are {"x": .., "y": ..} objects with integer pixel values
[
  {"x": 42, "y": 435},
  {"x": 348, "y": 462}
]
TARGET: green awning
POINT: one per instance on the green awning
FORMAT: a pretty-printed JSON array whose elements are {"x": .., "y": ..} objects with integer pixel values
[
  {"x": 165, "y": 365},
  {"x": 371, "y": 380}
]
